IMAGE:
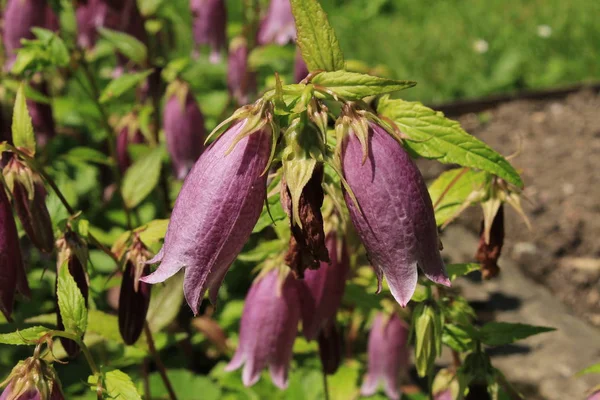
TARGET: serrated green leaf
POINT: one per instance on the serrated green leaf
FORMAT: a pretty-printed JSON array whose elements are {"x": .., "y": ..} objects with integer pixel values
[
  {"x": 142, "y": 177},
  {"x": 129, "y": 46},
  {"x": 457, "y": 338},
  {"x": 88, "y": 154},
  {"x": 71, "y": 303},
  {"x": 501, "y": 333},
  {"x": 456, "y": 270},
  {"x": 463, "y": 181},
  {"x": 436, "y": 137},
  {"x": 592, "y": 369},
  {"x": 120, "y": 386},
  {"x": 316, "y": 38},
  {"x": 22, "y": 128},
  {"x": 57, "y": 52},
  {"x": 119, "y": 86},
  {"x": 27, "y": 336},
  {"x": 353, "y": 86}
]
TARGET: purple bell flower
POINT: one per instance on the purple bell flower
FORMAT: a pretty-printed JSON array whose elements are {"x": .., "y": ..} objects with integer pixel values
[
  {"x": 19, "y": 17},
  {"x": 278, "y": 26},
  {"x": 394, "y": 217},
  {"x": 184, "y": 131},
  {"x": 268, "y": 329},
  {"x": 323, "y": 288},
  {"x": 12, "y": 271},
  {"x": 32, "y": 379},
  {"x": 217, "y": 208},
  {"x": 388, "y": 355},
  {"x": 209, "y": 25},
  {"x": 241, "y": 81}
]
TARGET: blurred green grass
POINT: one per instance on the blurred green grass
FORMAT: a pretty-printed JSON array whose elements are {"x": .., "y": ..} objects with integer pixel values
[{"x": 531, "y": 44}]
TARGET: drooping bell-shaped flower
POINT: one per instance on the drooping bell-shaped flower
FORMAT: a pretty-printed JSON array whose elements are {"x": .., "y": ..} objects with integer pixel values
[
  {"x": 268, "y": 329},
  {"x": 72, "y": 254},
  {"x": 129, "y": 133},
  {"x": 134, "y": 297},
  {"x": 330, "y": 347},
  {"x": 90, "y": 17},
  {"x": 217, "y": 208},
  {"x": 323, "y": 288},
  {"x": 209, "y": 25},
  {"x": 390, "y": 208},
  {"x": 19, "y": 17},
  {"x": 32, "y": 379},
  {"x": 388, "y": 355},
  {"x": 41, "y": 116},
  {"x": 12, "y": 271},
  {"x": 29, "y": 196},
  {"x": 278, "y": 26},
  {"x": 300, "y": 67},
  {"x": 184, "y": 129},
  {"x": 241, "y": 81}
]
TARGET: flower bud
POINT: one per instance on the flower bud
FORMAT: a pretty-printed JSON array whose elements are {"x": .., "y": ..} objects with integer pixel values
[
  {"x": 427, "y": 325},
  {"x": 323, "y": 288},
  {"x": 445, "y": 386},
  {"x": 72, "y": 254},
  {"x": 184, "y": 130},
  {"x": 12, "y": 271},
  {"x": 240, "y": 80},
  {"x": 209, "y": 25},
  {"x": 278, "y": 26},
  {"x": 134, "y": 297},
  {"x": 268, "y": 329},
  {"x": 41, "y": 116},
  {"x": 330, "y": 347},
  {"x": 29, "y": 196},
  {"x": 19, "y": 17},
  {"x": 128, "y": 134},
  {"x": 390, "y": 208},
  {"x": 217, "y": 208},
  {"x": 388, "y": 355},
  {"x": 489, "y": 251},
  {"x": 32, "y": 379},
  {"x": 300, "y": 67}
]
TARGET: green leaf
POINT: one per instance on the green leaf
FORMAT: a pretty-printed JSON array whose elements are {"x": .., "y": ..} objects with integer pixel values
[
  {"x": 266, "y": 219},
  {"x": 165, "y": 302},
  {"x": 501, "y": 333},
  {"x": 119, "y": 86},
  {"x": 27, "y": 336},
  {"x": 455, "y": 185},
  {"x": 457, "y": 338},
  {"x": 353, "y": 86},
  {"x": 343, "y": 384},
  {"x": 456, "y": 270},
  {"x": 57, "y": 52},
  {"x": 120, "y": 386},
  {"x": 142, "y": 177},
  {"x": 434, "y": 136},
  {"x": 316, "y": 38},
  {"x": 88, "y": 154},
  {"x": 187, "y": 386},
  {"x": 22, "y": 128},
  {"x": 129, "y": 46},
  {"x": 71, "y": 303},
  {"x": 592, "y": 369}
]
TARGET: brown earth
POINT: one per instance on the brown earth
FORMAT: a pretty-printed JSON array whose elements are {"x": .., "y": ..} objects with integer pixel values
[{"x": 559, "y": 157}]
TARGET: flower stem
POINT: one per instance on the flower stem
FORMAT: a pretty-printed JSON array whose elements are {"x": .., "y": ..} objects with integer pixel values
[
  {"x": 159, "y": 364},
  {"x": 84, "y": 349},
  {"x": 325, "y": 385}
]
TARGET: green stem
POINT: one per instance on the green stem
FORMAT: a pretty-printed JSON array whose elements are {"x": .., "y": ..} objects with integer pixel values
[
  {"x": 112, "y": 146},
  {"x": 84, "y": 349},
  {"x": 162, "y": 370},
  {"x": 430, "y": 383}
]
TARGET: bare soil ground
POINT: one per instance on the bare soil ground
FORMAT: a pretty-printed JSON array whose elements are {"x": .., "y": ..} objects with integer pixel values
[{"x": 559, "y": 142}]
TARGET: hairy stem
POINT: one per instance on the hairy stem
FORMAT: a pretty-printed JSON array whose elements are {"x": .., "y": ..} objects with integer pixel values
[{"x": 159, "y": 364}]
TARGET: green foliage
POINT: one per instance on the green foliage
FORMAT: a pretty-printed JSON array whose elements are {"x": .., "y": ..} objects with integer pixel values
[
  {"x": 129, "y": 46},
  {"x": 501, "y": 333},
  {"x": 592, "y": 369},
  {"x": 71, "y": 303},
  {"x": 186, "y": 384},
  {"x": 48, "y": 51},
  {"x": 119, "y": 385},
  {"x": 123, "y": 84},
  {"x": 142, "y": 177},
  {"x": 28, "y": 336},
  {"x": 316, "y": 39},
  {"x": 456, "y": 270},
  {"x": 22, "y": 129},
  {"x": 354, "y": 86},
  {"x": 436, "y": 137}
]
